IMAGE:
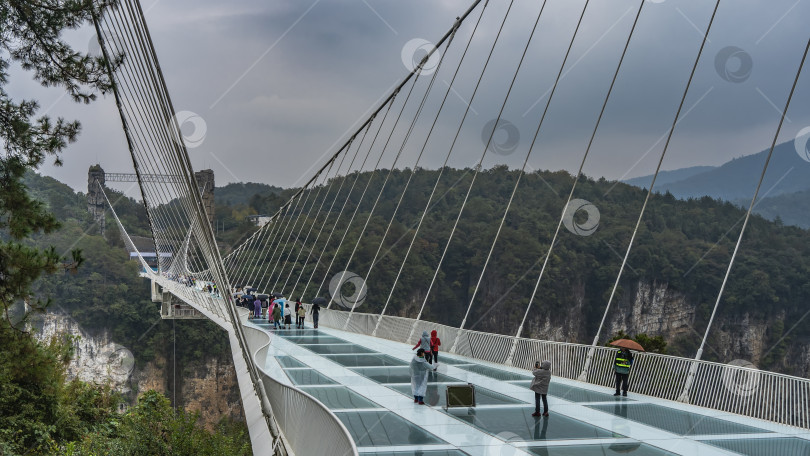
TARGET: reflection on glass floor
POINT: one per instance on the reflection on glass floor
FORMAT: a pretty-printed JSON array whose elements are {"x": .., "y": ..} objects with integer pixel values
[
  {"x": 437, "y": 395},
  {"x": 289, "y": 361},
  {"x": 675, "y": 421},
  {"x": 418, "y": 453},
  {"x": 788, "y": 446},
  {"x": 584, "y": 421},
  {"x": 497, "y": 374},
  {"x": 308, "y": 377},
  {"x": 339, "y": 397},
  {"x": 400, "y": 375},
  {"x": 366, "y": 360},
  {"x": 337, "y": 349},
  {"x": 385, "y": 429},
  {"x": 518, "y": 424},
  {"x": 605, "y": 449},
  {"x": 574, "y": 394}
]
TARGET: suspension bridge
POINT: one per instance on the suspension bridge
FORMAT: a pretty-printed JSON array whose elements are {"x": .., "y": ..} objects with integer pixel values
[{"x": 343, "y": 388}]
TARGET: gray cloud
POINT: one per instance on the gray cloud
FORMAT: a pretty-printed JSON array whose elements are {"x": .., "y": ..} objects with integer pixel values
[{"x": 311, "y": 82}]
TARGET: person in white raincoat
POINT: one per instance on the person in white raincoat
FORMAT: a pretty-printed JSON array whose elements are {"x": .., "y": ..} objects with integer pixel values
[{"x": 419, "y": 376}]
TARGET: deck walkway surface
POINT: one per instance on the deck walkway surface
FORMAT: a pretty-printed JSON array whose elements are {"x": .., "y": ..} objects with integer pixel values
[{"x": 364, "y": 380}]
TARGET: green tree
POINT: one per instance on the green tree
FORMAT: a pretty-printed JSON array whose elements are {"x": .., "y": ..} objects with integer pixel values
[
  {"x": 37, "y": 407},
  {"x": 32, "y": 38},
  {"x": 152, "y": 427}
]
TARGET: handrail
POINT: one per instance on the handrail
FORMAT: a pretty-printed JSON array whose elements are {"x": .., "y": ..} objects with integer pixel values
[
  {"x": 294, "y": 411},
  {"x": 299, "y": 415},
  {"x": 736, "y": 389}
]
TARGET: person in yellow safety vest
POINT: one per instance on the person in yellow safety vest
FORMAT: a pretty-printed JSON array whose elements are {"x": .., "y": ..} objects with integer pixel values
[{"x": 624, "y": 359}]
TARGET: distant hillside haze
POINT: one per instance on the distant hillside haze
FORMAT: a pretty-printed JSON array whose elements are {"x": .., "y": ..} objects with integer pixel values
[
  {"x": 737, "y": 179},
  {"x": 784, "y": 192},
  {"x": 668, "y": 177}
]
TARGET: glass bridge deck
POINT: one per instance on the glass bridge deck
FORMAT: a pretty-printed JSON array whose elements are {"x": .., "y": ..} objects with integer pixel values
[{"x": 365, "y": 382}]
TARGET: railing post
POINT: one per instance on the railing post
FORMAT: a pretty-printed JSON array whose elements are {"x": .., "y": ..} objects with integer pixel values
[
  {"x": 690, "y": 378},
  {"x": 583, "y": 377},
  {"x": 511, "y": 354}
]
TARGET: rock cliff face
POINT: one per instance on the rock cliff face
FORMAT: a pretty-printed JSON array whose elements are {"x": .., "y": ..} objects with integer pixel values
[
  {"x": 653, "y": 309},
  {"x": 97, "y": 359},
  {"x": 657, "y": 310},
  {"x": 209, "y": 387}
]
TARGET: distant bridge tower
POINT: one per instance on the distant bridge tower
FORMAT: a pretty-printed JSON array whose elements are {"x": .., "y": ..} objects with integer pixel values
[
  {"x": 95, "y": 198},
  {"x": 96, "y": 176},
  {"x": 205, "y": 181}
]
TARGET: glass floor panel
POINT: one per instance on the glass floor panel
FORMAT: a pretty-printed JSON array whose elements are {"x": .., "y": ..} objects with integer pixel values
[
  {"x": 574, "y": 394},
  {"x": 636, "y": 448},
  {"x": 296, "y": 332},
  {"x": 417, "y": 453},
  {"x": 520, "y": 424},
  {"x": 315, "y": 340},
  {"x": 782, "y": 446},
  {"x": 308, "y": 377},
  {"x": 289, "y": 361},
  {"x": 400, "y": 375},
  {"x": 436, "y": 394},
  {"x": 365, "y": 360},
  {"x": 448, "y": 360},
  {"x": 493, "y": 372},
  {"x": 384, "y": 429},
  {"x": 337, "y": 349},
  {"x": 339, "y": 397},
  {"x": 675, "y": 421}
]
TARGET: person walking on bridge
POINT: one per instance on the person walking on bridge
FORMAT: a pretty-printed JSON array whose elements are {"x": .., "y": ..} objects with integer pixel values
[
  {"x": 540, "y": 382},
  {"x": 419, "y": 376},
  {"x": 302, "y": 313},
  {"x": 276, "y": 315},
  {"x": 315, "y": 310},
  {"x": 424, "y": 344},
  {"x": 257, "y": 308},
  {"x": 624, "y": 359},
  {"x": 435, "y": 342}
]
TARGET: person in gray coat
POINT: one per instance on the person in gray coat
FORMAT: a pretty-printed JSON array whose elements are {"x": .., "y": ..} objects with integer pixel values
[{"x": 542, "y": 378}]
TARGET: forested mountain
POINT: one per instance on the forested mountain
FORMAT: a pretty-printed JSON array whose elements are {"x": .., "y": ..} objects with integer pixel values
[
  {"x": 784, "y": 191},
  {"x": 737, "y": 179},
  {"x": 669, "y": 287},
  {"x": 239, "y": 193},
  {"x": 108, "y": 299},
  {"x": 668, "y": 177}
]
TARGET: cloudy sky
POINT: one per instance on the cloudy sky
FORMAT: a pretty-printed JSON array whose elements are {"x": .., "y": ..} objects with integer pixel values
[{"x": 279, "y": 84}]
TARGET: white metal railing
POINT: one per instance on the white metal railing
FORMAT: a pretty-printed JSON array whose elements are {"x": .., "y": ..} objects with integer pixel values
[
  {"x": 309, "y": 427},
  {"x": 298, "y": 415},
  {"x": 736, "y": 389}
]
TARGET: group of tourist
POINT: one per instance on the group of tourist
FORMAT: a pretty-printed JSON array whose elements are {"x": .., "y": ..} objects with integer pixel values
[
  {"x": 189, "y": 281},
  {"x": 427, "y": 359},
  {"x": 278, "y": 311}
]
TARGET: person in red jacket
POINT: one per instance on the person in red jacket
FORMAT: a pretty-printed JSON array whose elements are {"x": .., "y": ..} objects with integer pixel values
[{"x": 435, "y": 342}]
